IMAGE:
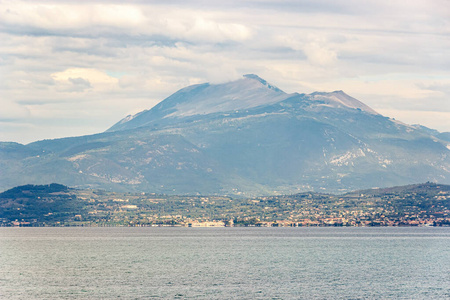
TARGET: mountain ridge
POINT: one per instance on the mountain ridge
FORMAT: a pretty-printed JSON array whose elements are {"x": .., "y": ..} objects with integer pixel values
[
  {"x": 247, "y": 137},
  {"x": 247, "y": 93},
  {"x": 250, "y": 91}
]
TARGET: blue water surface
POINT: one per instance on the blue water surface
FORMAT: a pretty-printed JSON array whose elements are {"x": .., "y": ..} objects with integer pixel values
[{"x": 225, "y": 263}]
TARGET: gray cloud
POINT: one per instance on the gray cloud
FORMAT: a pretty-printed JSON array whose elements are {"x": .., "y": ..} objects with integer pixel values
[
  {"x": 79, "y": 84},
  {"x": 59, "y": 58}
]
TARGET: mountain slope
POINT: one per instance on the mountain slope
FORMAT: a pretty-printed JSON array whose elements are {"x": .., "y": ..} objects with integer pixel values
[
  {"x": 203, "y": 99},
  {"x": 250, "y": 92},
  {"x": 245, "y": 137}
]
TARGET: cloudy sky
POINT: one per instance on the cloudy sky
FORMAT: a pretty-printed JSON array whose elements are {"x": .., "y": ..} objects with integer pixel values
[{"x": 72, "y": 68}]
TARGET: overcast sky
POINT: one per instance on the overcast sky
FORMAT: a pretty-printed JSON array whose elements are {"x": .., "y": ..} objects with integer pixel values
[{"x": 72, "y": 68}]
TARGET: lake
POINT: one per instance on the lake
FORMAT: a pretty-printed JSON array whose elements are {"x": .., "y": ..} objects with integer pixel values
[{"x": 225, "y": 263}]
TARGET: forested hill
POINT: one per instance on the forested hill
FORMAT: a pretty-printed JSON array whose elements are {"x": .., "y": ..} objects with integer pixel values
[
  {"x": 428, "y": 189},
  {"x": 32, "y": 191},
  {"x": 39, "y": 204}
]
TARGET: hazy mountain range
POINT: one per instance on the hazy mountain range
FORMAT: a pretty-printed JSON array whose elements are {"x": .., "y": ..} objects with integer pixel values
[{"x": 242, "y": 137}]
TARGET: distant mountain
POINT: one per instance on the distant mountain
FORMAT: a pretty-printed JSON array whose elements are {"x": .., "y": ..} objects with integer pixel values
[
  {"x": 428, "y": 190},
  {"x": 205, "y": 99},
  {"x": 250, "y": 92},
  {"x": 244, "y": 137}
]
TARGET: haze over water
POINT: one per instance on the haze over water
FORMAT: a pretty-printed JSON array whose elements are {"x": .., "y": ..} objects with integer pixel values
[{"x": 224, "y": 263}]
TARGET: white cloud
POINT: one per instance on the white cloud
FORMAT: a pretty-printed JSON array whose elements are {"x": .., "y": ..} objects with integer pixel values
[
  {"x": 12, "y": 111},
  {"x": 318, "y": 53},
  {"x": 114, "y": 20},
  {"x": 433, "y": 119},
  {"x": 81, "y": 79},
  {"x": 63, "y": 16},
  {"x": 213, "y": 31}
]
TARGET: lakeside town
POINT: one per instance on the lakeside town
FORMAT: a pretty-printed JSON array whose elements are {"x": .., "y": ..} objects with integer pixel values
[{"x": 57, "y": 205}]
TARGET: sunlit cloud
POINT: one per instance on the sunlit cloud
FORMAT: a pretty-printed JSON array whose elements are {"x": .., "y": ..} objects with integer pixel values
[{"x": 79, "y": 79}]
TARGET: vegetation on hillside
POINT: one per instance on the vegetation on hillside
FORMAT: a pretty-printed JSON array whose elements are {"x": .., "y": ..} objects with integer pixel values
[{"x": 57, "y": 205}]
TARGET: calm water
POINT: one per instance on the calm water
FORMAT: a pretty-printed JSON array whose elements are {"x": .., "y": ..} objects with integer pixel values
[{"x": 225, "y": 263}]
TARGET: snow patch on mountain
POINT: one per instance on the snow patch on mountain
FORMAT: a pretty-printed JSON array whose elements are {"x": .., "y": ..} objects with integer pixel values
[
  {"x": 78, "y": 157},
  {"x": 131, "y": 117},
  {"x": 340, "y": 99},
  {"x": 347, "y": 158},
  {"x": 256, "y": 77}
]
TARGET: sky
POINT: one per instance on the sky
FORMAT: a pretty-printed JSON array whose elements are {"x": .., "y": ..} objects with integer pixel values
[{"x": 70, "y": 68}]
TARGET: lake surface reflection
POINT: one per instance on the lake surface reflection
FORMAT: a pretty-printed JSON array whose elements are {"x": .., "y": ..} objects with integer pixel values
[{"x": 224, "y": 263}]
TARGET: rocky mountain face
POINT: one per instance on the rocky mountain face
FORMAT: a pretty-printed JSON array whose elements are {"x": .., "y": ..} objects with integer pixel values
[{"x": 245, "y": 137}]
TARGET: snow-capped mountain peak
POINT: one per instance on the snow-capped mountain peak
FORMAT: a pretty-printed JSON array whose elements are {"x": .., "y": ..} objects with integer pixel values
[
  {"x": 256, "y": 77},
  {"x": 340, "y": 99},
  {"x": 240, "y": 95},
  {"x": 249, "y": 92}
]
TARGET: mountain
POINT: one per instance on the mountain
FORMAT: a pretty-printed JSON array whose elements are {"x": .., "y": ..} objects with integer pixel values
[
  {"x": 250, "y": 92},
  {"x": 204, "y": 99},
  {"x": 245, "y": 137}
]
